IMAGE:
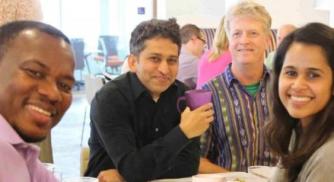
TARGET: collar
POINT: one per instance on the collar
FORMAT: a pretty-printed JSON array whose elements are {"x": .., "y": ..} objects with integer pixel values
[
  {"x": 136, "y": 85},
  {"x": 139, "y": 89},
  {"x": 230, "y": 77},
  {"x": 8, "y": 133}
]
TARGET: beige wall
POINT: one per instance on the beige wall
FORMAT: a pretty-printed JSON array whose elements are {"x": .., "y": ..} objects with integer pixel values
[
  {"x": 207, "y": 13},
  {"x": 204, "y": 13}
]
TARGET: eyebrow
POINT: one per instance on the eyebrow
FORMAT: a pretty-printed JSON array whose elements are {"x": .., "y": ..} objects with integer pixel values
[
  {"x": 34, "y": 61},
  {"x": 39, "y": 63},
  {"x": 309, "y": 69},
  {"x": 157, "y": 54}
]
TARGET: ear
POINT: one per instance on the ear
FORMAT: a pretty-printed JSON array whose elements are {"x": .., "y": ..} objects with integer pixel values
[
  {"x": 268, "y": 40},
  {"x": 132, "y": 62}
]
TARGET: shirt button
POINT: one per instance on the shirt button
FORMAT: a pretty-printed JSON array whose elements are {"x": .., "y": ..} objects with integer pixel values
[
  {"x": 156, "y": 129},
  {"x": 244, "y": 142},
  {"x": 242, "y": 132}
]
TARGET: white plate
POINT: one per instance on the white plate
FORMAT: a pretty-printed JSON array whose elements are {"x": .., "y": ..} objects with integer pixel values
[
  {"x": 262, "y": 171},
  {"x": 173, "y": 180},
  {"x": 230, "y": 176}
]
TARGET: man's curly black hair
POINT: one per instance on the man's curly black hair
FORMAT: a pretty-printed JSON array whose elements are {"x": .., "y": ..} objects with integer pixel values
[{"x": 151, "y": 29}]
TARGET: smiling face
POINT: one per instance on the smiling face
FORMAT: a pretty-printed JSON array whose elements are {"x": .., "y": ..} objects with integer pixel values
[
  {"x": 305, "y": 81},
  {"x": 157, "y": 65},
  {"x": 36, "y": 77},
  {"x": 247, "y": 40}
]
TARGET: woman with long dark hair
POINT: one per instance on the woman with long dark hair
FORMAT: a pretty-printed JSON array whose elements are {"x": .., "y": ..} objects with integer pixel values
[{"x": 301, "y": 130}]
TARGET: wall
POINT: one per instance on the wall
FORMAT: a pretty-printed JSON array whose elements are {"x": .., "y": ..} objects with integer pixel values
[
  {"x": 207, "y": 13},
  {"x": 326, "y": 5},
  {"x": 298, "y": 12}
]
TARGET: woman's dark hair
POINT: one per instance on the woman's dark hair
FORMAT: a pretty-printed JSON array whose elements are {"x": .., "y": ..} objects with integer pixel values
[
  {"x": 10, "y": 31},
  {"x": 279, "y": 130},
  {"x": 151, "y": 29}
]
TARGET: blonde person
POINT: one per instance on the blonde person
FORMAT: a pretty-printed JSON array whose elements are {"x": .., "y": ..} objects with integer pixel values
[
  {"x": 213, "y": 62},
  {"x": 241, "y": 95},
  {"x": 301, "y": 130}
]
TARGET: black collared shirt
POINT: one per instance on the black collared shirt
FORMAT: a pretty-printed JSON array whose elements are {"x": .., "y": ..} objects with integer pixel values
[{"x": 139, "y": 137}]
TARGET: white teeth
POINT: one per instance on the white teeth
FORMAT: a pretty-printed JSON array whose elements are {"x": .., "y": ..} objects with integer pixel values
[
  {"x": 300, "y": 98},
  {"x": 40, "y": 110}
]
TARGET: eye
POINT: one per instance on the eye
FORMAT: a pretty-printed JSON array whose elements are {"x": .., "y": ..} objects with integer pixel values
[
  {"x": 65, "y": 87},
  {"x": 290, "y": 73},
  {"x": 34, "y": 73},
  {"x": 172, "y": 61},
  {"x": 313, "y": 75},
  {"x": 236, "y": 34},
  {"x": 154, "y": 59},
  {"x": 254, "y": 34}
]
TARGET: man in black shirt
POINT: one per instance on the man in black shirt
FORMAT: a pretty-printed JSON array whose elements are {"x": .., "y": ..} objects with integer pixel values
[{"x": 137, "y": 134}]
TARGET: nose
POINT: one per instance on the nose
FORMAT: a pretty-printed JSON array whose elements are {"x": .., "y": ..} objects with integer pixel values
[
  {"x": 244, "y": 38},
  {"x": 50, "y": 91},
  {"x": 163, "y": 67},
  {"x": 299, "y": 83}
]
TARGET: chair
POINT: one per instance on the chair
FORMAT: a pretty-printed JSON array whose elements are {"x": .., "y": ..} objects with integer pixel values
[
  {"x": 93, "y": 84},
  {"x": 84, "y": 159},
  {"x": 78, "y": 47},
  {"x": 209, "y": 34},
  {"x": 108, "y": 51}
]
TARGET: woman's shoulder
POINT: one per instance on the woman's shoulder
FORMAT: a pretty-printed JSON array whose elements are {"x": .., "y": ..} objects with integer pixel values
[
  {"x": 320, "y": 166},
  {"x": 327, "y": 149}
]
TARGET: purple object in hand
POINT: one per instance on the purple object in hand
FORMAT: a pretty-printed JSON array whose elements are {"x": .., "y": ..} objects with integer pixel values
[{"x": 195, "y": 98}]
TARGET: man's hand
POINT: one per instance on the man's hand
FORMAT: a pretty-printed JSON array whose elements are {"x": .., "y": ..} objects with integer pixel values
[
  {"x": 196, "y": 122},
  {"x": 110, "y": 175}
]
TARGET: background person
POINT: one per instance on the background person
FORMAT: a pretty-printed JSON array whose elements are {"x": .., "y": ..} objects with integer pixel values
[
  {"x": 213, "y": 62},
  {"x": 193, "y": 44},
  {"x": 282, "y": 32}
]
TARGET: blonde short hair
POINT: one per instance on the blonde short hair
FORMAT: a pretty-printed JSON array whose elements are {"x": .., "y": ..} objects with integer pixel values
[{"x": 248, "y": 8}]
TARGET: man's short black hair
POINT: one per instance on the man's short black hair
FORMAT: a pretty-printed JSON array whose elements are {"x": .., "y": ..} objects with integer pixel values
[
  {"x": 151, "y": 29},
  {"x": 11, "y": 30}
]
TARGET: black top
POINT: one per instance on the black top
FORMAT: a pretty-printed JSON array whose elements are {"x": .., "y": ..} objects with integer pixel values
[{"x": 138, "y": 136}]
